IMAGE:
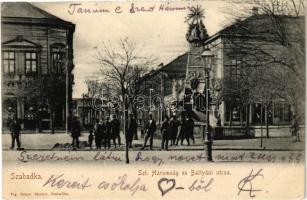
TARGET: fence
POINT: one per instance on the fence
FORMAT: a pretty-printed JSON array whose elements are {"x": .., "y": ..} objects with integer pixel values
[{"x": 233, "y": 133}]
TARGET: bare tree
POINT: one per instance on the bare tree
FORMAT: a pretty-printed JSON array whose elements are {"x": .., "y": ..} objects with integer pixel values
[
  {"x": 270, "y": 48},
  {"x": 120, "y": 65}
]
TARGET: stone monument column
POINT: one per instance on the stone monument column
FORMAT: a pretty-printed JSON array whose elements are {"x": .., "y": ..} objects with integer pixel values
[{"x": 194, "y": 100}]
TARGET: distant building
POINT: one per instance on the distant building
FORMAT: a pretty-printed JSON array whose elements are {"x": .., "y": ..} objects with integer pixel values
[
  {"x": 94, "y": 104},
  {"x": 87, "y": 113},
  {"x": 37, "y": 64},
  {"x": 161, "y": 83}
]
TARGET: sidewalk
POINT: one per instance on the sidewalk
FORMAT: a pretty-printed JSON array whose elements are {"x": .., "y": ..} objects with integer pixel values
[
  {"x": 279, "y": 144},
  {"x": 45, "y": 141}
]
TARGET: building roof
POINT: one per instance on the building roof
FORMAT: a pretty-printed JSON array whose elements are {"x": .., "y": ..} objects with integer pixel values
[
  {"x": 28, "y": 13},
  {"x": 178, "y": 65},
  {"x": 254, "y": 25},
  {"x": 257, "y": 25}
]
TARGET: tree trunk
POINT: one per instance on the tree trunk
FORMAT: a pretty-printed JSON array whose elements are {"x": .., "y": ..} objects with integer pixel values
[
  {"x": 247, "y": 115},
  {"x": 261, "y": 121},
  {"x": 241, "y": 117},
  {"x": 124, "y": 129},
  {"x": 247, "y": 119},
  {"x": 135, "y": 114},
  {"x": 230, "y": 117},
  {"x": 52, "y": 121},
  {"x": 267, "y": 121}
]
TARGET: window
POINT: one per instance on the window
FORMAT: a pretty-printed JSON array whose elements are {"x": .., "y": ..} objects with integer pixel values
[
  {"x": 31, "y": 62},
  {"x": 235, "y": 68},
  {"x": 57, "y": 63},
  {"x": 9, "y": 62},
  {"x": 282, "y": 111}
]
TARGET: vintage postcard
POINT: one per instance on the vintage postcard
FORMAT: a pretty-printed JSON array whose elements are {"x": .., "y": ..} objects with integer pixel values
[{"x": 153, "y": 100}]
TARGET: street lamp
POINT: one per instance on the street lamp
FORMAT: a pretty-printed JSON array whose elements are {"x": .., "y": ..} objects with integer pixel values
[
  {"x": 207, "y": 57},
  {"x": 83, "y": 109}
]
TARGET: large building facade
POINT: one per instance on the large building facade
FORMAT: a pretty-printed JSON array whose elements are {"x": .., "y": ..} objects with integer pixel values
[
  {"x": 251, "y": 43},
  {"x": 37, "y": 64}
]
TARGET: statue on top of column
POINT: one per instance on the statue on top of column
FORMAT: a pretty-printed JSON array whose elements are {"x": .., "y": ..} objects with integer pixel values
[{"x": 197, "y": 32}]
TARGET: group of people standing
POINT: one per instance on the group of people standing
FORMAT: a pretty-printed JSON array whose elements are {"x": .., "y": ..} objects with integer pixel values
[
  {"x": 174, "y": 131},
  {"x": 104, "y": 131}
]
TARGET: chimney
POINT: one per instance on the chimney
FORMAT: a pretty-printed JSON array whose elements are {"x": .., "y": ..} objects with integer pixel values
[{"x": 255, "y": 10}]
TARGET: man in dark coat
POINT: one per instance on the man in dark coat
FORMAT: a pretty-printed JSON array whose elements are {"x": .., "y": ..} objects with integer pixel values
[
  {"x": 75, "y": 133},
  {"x": 107, "y": 137},
  {"x": 95, "y": 130},
  {"x": 165, "y": 133},
  {"x": 150, "y": 130},
  {"x": 182, "y": 132},
  {"x": 189, "y": 128},
  {"x": 98, "y": 132},
  {"x": 173, "y": 129},
  {"x": 15, "y": 133},
  {"x": 131, "y": 129},
  {"x": 115, "y": 129},
  {"x": 295, "y": 129}
]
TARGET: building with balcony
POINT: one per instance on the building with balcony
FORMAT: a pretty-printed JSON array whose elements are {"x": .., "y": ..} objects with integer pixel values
[{"x": 37, "y": 64}]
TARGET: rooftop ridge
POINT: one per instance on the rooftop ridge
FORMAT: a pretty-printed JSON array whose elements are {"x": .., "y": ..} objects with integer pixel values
[{"x": 25, "y": 10}]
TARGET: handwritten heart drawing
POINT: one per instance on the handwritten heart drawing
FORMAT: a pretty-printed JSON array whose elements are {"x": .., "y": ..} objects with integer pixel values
[{"x": 165, "y": 185}]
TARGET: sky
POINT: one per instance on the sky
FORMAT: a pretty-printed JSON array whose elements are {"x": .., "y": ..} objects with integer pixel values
[{"x": 160, "y": 33}]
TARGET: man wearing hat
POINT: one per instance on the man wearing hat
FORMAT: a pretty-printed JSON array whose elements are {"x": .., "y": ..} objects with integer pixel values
[{"x": 150, "y": 130}]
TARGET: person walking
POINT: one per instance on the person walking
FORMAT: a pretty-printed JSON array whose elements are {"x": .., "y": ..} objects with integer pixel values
[
  {"x": 173, "y": 124},
  {"x": 165, "y": 133},
  {"x": 189, "y": 128},
  {"x": 15, "y": 133},
  {"x": 102, "y": 132},
  {"x": 295, "y": 130},
  {"x": 98, "y": 134},
  {"x": 75, "y": 133},
  {"x": 131, "y": 129},
  {"x": 150, "y": 130},
  {"x": 115, "y": 129},
  {"x": 182, "y": 132}
]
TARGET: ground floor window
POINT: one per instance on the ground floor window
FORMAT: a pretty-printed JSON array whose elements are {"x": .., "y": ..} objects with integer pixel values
[
  {"x": 282, "y": 113},
  {"x": 235, "y": 112},
  {"x": 257, "y": 113}
]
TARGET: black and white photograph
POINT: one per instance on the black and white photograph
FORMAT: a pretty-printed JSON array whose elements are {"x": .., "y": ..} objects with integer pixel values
[{"x": 147, "y": 88}]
